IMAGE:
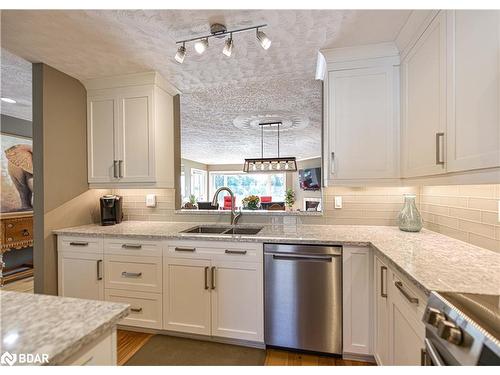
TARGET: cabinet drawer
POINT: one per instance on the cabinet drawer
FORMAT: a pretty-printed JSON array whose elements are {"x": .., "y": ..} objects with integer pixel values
[
  {"x": 133, "y": 273},
  {"x": 80, "y": 244},
  {"x": 17, "y": 230},
  {"x": 102, "y": 352},
  {"x": 122, "y": 246},
  {"x": 224, "y": 251},
  {"x": 407, "y": 296},
  {"x": 145, "y": 308}
]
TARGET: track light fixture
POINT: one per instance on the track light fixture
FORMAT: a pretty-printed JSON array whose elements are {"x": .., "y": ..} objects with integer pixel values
[
  {"x": 265, "y": 42},
  {"x": 219, "y": 31},
  {"x": 201, "y": 45},
  {"x": 228, "y": 46},
  {"x": 181, "y": 53}
]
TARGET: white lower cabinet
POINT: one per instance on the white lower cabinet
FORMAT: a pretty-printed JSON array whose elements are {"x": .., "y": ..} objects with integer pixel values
[
  {"x": 214, "y": 289},
  {"x": 186, "y": 295},
  {"x": 399, "y": 332},
  {"x": 357, "y": 294},
  {"x": 237, "y": 296},
  {"x": 145, "y": 308},
  {"x": 102, "y": 352}
]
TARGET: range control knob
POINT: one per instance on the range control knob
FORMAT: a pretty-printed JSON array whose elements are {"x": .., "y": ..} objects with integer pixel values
[
  {"x": 433, "y": 316},
  {"x": 450, "y": 332}
]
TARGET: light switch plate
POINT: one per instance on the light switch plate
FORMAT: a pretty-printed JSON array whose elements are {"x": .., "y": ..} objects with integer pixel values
[
  {"x": 338, "y": 201},
  {"x": 150, "y": 200}
]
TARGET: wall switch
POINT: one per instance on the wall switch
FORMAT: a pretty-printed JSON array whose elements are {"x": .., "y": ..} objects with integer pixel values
[
  {"x": 338, "y": 201},
  {"x": 150, "y": 200}
]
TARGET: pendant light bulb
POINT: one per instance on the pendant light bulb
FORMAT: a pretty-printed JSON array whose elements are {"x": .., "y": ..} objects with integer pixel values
[
  {"x": 263, "y": 39},
  {"x": 201, "y": 45},
  {"x": 181, "y": 53},
  {"x": 228, "y": 46}
]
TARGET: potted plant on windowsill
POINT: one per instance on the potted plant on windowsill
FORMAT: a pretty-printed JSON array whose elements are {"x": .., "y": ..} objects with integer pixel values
[
  {"x": 191, "y": 205},
  {"x": 251, "y": 202},
  {"x": 289, "y": 198}
]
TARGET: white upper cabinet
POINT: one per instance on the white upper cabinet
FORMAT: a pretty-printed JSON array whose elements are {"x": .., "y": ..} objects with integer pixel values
[
  {"x": 473, "y": 139},
  {"x": 423, "y": 102},
  {"x": 361, "y": 115},
  {"x": 130, "y": 131}
]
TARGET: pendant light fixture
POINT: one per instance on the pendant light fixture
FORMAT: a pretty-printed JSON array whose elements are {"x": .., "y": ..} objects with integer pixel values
[
  {"x": 219, "y": 31},
  {"x": 276, "y": 164}
]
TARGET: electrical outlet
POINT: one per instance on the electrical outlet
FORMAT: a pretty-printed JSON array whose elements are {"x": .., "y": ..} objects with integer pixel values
[
  {"x": 150, "y": 200},
  {"x": 338, "y": 201}
]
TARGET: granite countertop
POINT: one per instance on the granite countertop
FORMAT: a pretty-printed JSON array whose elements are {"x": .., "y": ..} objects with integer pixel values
[
  {"x": 434, "y": 262},
  {"x": 56, "y": 326}
]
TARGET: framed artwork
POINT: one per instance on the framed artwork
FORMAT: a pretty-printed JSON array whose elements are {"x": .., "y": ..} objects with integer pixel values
[{"x": 17, "y": 174}]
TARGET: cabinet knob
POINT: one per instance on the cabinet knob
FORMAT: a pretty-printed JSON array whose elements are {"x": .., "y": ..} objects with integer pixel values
[
  {"x": 450, "y": 332},
  {"x": 10, "y": 225},
  {"x": 433, "y": 316}
]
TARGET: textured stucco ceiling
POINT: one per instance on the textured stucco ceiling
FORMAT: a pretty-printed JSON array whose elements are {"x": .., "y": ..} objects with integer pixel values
[
  {"x": 216, "y": 89},
  {"x": 15, "y": 76},
  {"x": 210, "y": 136}
]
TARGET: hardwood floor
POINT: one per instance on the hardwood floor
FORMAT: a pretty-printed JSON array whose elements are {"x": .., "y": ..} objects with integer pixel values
[
  {"x": 130, "y": 342},
  {"x": 23, "y": 286}
]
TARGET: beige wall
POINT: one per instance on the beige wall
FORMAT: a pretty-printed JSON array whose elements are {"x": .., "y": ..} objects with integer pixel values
[{"x": 61, "y": 194}]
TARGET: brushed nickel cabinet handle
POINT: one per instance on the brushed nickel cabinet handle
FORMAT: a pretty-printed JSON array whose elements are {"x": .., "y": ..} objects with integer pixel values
[
  {"x": 131, "y": 246},
  {"x": 99, "y": 271},
  {"x": 115, "y": 168},
  {"x": 189, "y": 249},
  {"x": 131, "y": 274},
  {"x": 240, "y": 252},
  {"x": 332, "y": 167},
  {"x": 206, "y": 277},
  {"x": 407, "y": 295},
  {"x": 383, "y": 287},
  {"x": 79, "y": 243},
  {"x": 439, "y": 137},
  {"x": 213, "y": 277},
  {"x": 136, "y": 309},
  {"x": 120, "y": 168}
]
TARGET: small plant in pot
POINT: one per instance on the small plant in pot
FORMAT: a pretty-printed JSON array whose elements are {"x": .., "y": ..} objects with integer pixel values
[
  {"x": 191, "y": 205},
  {"x": 251, "y": 202},
  {"x": 289, "y": 198}
]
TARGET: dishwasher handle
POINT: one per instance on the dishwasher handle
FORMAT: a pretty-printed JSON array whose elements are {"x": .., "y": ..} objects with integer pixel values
[{"x": 297, "y": 257}]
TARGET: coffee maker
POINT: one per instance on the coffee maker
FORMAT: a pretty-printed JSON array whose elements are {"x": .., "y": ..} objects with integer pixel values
[{"x": 111, "y": 209}]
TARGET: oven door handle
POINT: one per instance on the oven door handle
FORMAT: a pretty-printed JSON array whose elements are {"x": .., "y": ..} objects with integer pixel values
[{"x": 430, "y": 353}]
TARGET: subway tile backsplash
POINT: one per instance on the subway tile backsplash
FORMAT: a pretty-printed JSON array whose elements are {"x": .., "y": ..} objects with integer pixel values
[{"x": 466, "y": 212}]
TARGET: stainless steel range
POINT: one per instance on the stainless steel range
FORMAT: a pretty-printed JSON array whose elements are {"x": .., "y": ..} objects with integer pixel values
[{"x": 462, "y": 329}]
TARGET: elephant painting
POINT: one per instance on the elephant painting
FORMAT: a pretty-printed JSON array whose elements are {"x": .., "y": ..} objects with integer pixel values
[{"x": 17, "y": 176}]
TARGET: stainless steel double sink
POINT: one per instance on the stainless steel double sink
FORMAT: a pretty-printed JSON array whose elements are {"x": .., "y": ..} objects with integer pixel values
[{"x": 213, "y": 229}]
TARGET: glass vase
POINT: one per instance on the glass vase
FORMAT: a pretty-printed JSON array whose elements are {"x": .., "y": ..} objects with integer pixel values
[{"x": 409, "y": 218}]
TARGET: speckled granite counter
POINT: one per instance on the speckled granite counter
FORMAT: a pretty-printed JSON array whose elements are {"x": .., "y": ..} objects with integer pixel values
[
  {"x": 57, "y": 326},
  {"x": 434, "y": 262}
]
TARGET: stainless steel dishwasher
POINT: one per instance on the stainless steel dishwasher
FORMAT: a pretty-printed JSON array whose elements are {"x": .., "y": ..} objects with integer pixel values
[{"x": 303, "y": 297}]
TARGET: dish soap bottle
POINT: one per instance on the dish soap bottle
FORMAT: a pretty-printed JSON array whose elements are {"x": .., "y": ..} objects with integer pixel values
[{"x": 409, "y": 218}]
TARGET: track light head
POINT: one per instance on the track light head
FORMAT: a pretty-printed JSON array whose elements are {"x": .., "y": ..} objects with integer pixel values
[
  {"x": 264, "y": 41},
  {"x": 228, "y": 46},
  {"x": 201, "y": 45},
  {"x": 181, "y": 53}
]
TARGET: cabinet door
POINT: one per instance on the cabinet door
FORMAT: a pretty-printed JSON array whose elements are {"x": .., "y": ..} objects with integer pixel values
[
  {"x": 186, "y": 295},
  {"x": 424, "y": 102},
  {"x": 363, "y": 123},
  {"x": 102, "y": 119},
  {"x": 357, "y": 297},
  {"x": 473, "y": 79},
  {"x": 136, "y": 135},
  {"x": 80, "y": 275},
  {"x": 237, "y": 300},
  {"x": 382, "y": 308}
]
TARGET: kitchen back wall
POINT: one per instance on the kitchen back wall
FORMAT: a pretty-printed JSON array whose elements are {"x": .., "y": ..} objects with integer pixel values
[{"x": 465, "y": 212}]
